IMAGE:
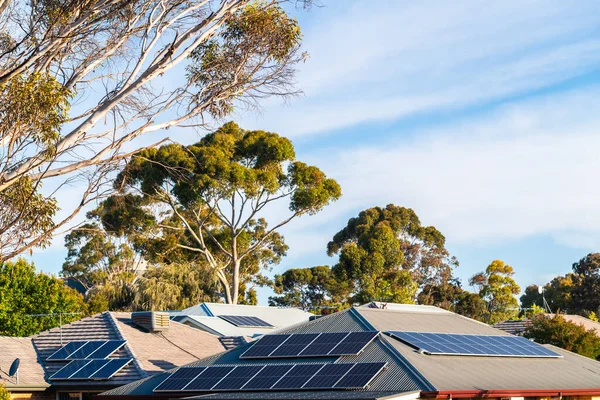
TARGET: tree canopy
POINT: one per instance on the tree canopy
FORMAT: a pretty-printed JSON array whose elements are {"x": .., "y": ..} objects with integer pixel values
[
  {"x": 81, "y": 81},
  {"x": 564, "y": 334},
  {"x": 498, "y": 288},
  {"x": 386, "y": 254},
  {"x": 23, "y": 292},
  {"x": 205, "y": 204}
]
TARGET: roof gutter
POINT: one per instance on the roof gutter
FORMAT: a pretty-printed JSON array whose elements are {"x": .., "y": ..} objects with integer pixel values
[{"x": 466, "y": 394}]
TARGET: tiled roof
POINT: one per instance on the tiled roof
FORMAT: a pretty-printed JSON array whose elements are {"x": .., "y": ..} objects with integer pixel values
[
  {"x": 409, "y": 370},
  {"x": 151, "y": 352},
  {"x": 31, "y": 373}
]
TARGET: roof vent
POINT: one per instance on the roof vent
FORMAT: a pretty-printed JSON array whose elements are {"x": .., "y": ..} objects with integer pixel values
[{"x": 151, "y": 321}]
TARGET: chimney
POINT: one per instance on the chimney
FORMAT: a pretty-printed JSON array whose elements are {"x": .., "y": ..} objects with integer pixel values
[{"x": 151, "y": 321}]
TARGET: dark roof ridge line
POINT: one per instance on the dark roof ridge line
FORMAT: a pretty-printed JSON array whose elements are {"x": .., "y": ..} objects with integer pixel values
[
  {"x": 286, "y": 329},
  {"x": 128, "y": 349},
  {"x": 428, "y": 386}
]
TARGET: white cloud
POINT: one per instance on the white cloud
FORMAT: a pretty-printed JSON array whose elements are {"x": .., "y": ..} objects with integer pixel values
[
  {"x": 395, "y": 59},
  {"x": 524, "y": 169}
]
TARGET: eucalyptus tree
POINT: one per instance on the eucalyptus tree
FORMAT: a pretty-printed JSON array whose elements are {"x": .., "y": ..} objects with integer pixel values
[
  {"x": 498, "y": 288},
  {"x": 80, "y": 80},
  {"x": 209, "y": 204},
  {"x": 388, "y": 255}
]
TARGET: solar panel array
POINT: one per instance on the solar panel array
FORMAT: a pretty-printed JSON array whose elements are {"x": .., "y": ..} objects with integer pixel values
[
  {"x": 310, "y": 345},
  {"x": 79, "y": 350},
  {"x": 91, "y": 369},
  {"x": 246, "y": 322},
  {"x": 473, "y": 345},
  {"x": 271, "y": 377}
]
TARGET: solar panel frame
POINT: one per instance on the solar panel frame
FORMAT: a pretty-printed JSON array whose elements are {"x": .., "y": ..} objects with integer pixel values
[
  {"x": 474, "y": 345},
  {"x": 238, "y": 378},
  {"x": 89, "y": 369},
  {"x": 354, "y": 343},
  {"x": 297, "y": 377},
  {"x": 267, "y": 377},
  {"x": 94, "y": 369}
]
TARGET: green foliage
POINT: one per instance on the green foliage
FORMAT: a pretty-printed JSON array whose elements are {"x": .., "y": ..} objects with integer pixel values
[
  {"x": 23, "y": 292},
  {"x": 308, "y": 288},
  {"x": 204, "y": 204},
  {"x": 260, "y": 34},
  {"x": 386, "y": 254},
  {"x": 4, "y": 393},
  {"x": 175, "y": 287},
  {"x": 451, "y": 296},
  {"x": 593, "y": 316},
  {"x": 564, "y": 334},
  {"x": 497, "y": 287}
]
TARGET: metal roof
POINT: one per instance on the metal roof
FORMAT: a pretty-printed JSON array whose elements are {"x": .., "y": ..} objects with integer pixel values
[{"x": 409, "y": 370}]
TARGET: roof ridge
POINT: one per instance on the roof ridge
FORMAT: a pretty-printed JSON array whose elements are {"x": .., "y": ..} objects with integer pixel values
[{"x": 128, "y": 348}]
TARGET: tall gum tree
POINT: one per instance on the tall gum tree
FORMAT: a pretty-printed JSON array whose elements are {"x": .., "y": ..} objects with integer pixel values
[
  {"x": 81, "y": 80},
  {"x": 207, "y": 203}
]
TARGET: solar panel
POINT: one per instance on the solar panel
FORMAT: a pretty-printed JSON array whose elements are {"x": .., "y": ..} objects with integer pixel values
[
  {"x": 360, "y": 375},
  {"x": 353, "y": 343},
  {"x": 294, "y": 345},
  {"x": 266, "y": 377},
  {"x": 107, "y": 349},
  {"x": 473, "y": 345},
  {"x": 298, "y": 376},
  {"x": 113, "y": 366},
  {"x": 179, "y": 379},
  {"x": 310, "y": 345},
  {"x": 79, "y": 350},
  {"x": 209, "y": 378},
  {"x": 323, "y": 344},
  {"x": 62, "y": 353},
  {"x": 238, "y": 377},
  {"x": 246, "y": 321},
  {"x": 264, "y": 346},
  {"x": 91, "y": 369},
  {"x": 328, "y": 376},
  {"x": 69, "y": 369},
  {"x": 85, "y": 350}
]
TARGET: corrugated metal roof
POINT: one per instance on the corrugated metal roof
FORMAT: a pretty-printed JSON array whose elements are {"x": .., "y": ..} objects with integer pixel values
[
  {"x": 398, "y": 320},
  {"x": 205, "y": 316},
  {"x": 516, "y": 327},
  {"x": 408, "y": 370}
]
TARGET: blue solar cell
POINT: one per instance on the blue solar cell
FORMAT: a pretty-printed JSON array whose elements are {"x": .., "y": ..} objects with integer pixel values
[
  {"x": 113, "y": 366},
  {"x": 89, "y": 369},
  {"x": 107, "y": 349},
  {"x": 209, "y": 378},
  {"x": 328, "y": 376},
  {"x": 298, "y": 376},
  {"x": 294, "y": 345},
  {"x": 477, "y": 345},
  {"x": 267, "y": 377},
  {"x": 360, "y": 376},
  {"x": 238, "y": 377},
  {"x": 324, "y": 343},
  {"x": 62, "y": 353},
  {"x": 264, "y": 346},
  {"x": 354, "y": 343},
  {"x": 246, "y": 321},
  {"x": 179, "y": 379},
  {"x": 69, "y": 369},
  {"x": 87, "y": 349}
]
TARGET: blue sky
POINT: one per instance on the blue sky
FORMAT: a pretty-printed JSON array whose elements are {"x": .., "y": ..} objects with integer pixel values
[{"x": 483, "y": 119}]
